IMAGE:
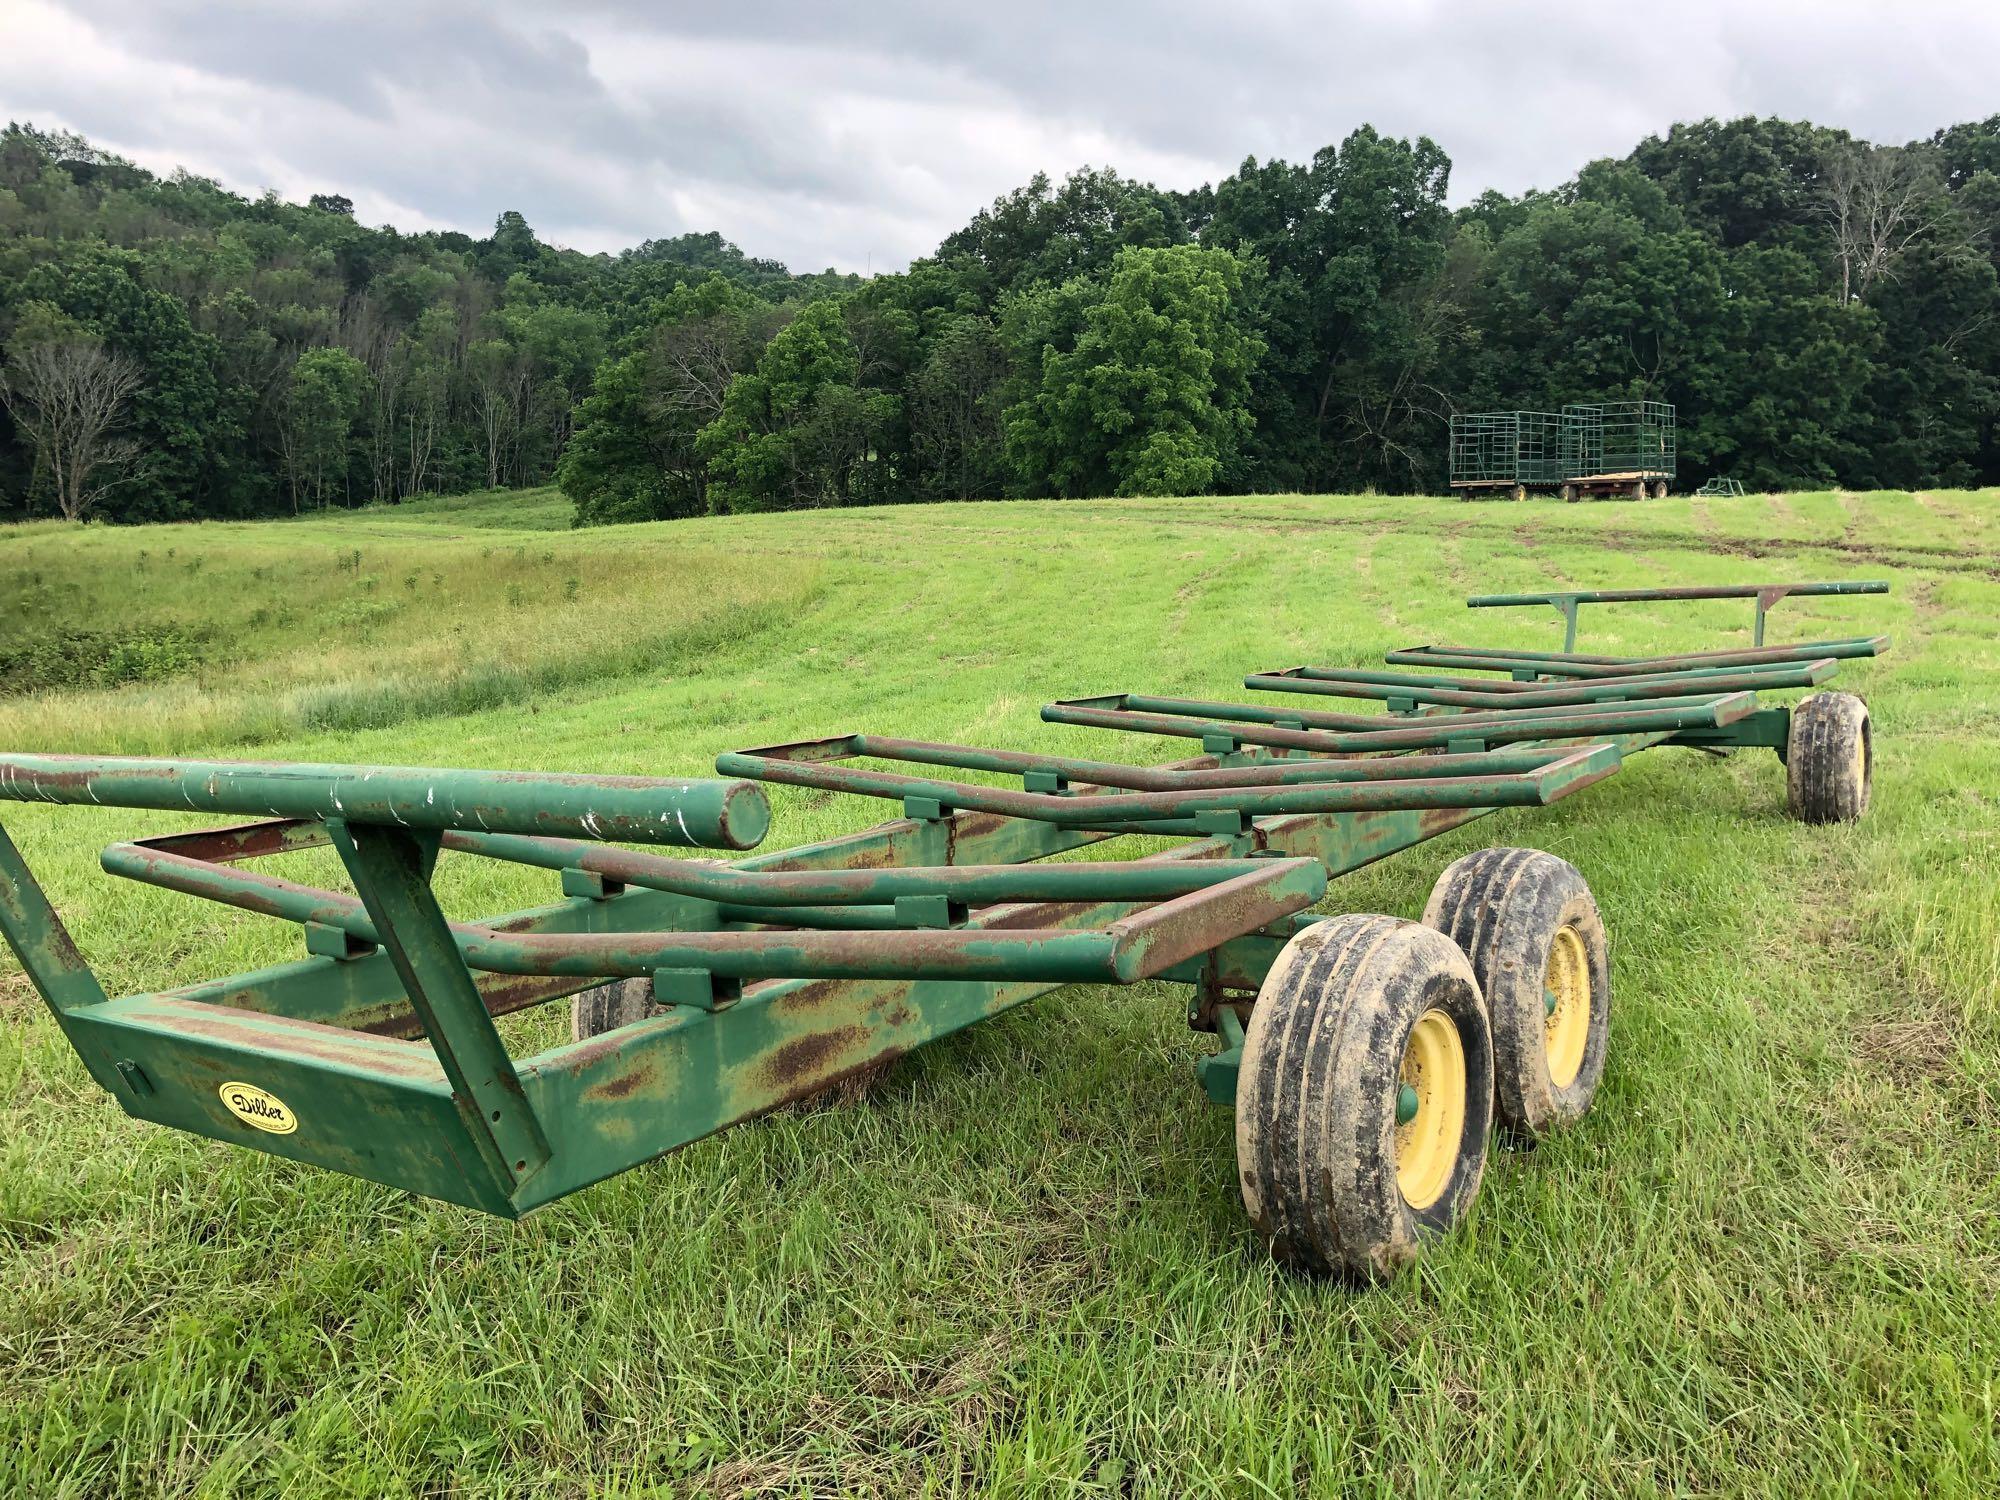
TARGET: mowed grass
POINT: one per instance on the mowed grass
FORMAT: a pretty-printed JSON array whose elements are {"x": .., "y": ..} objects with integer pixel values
[{"x": 1768, "y": 1262}]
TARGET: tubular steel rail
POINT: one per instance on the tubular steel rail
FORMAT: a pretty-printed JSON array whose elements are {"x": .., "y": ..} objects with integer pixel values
[
  {"x": 1766, "y": 595},
  {"x": 773, "y": 976}
]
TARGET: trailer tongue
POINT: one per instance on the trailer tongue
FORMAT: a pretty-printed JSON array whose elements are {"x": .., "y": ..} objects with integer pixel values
[{"x": 1366, "y": 1058}]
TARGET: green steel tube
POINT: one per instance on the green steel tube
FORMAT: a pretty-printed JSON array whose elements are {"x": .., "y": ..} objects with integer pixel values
[
  {"x": 247, "y": 890},
  {"x": 1162, "y": 779},
  {"x": 1368, "y": 724},
  {"x": 937, "y": 954},
  {"x": 1532, "y": 789},
  {"x": 1046, "y": 955},
  {"x": 971, "y": 885},
  {"x": 690, "y": 811},
  {"x": 1851, "y": 645},
  {"x": 1256, "y": 727},
  {"x": 1803, "y": 672},
  {"x": 847, "y": 918},
  {"x": 1516, "y": 696},
  {"x": 1707, "y": 591},
  {"x": 1118, "y": 954},
  {"x": 1557, "y": 664}
]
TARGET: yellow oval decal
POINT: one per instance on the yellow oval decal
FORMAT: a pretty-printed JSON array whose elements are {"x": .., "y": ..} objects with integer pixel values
[{"x": 255, "y": 1106}]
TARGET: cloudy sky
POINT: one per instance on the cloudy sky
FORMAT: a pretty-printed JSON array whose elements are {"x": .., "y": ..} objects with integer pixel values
[{"x": 857, "y": 135}]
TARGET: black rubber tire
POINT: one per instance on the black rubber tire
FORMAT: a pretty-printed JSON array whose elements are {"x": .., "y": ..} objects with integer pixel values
[
  {"x": 1659, "y": 489},
  {"x": 1316, "y": 1095},
  {"x": 1518, "y": 492},
  {"x": 1569, "y": 493},
  {"x": 1507, "y": 909},
  {"x": 606, "y": 1007},
  {"x": 1829, "y": 759}
]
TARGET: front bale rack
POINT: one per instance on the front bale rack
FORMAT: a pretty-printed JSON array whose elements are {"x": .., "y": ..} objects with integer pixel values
[{"x": 1366, "y": 1059}]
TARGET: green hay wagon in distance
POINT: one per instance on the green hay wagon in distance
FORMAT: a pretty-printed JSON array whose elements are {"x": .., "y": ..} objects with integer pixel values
[
  {"x": 1367, "y": 1059},
  {"x": 1621, "y": 449}
]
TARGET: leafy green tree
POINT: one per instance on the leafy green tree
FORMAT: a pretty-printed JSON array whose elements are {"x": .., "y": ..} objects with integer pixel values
[
  {"x": 793, "y": 430},
  {"x": 424, "y": 360},
  {"x": 957, "y": 413},
  {"x": 1353, "y": 310},
  {"x": 322, "y": 399},
  {"x": 1044, "y": 235},
  {"x": 174, "y": 409},
  {"x": 501, "y": 377},
  {"x": 1138, "y": 385},
  {"x": 1744, "y": 181},
  {"x": 1933, "y": 385},
  {"x": 634, "y": 455},
  {"x": 1771, "y": 398},
  {"x": 616, "y": 467}
]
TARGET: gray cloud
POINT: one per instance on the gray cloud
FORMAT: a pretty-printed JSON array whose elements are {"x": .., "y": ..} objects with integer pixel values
[{"x": 857, "y": 135}]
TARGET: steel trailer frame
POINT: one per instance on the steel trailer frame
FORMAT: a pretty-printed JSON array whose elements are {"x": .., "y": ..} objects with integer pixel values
[{"x": 776, "y": 975}]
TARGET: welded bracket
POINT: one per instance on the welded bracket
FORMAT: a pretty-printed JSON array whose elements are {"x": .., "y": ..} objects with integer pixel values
[
  {"x": 697, "y": 988},
  {"x": 1218, "y": 1072},
  {"x": 588, "y": 885},
  {"x": 336, "y": 943}
]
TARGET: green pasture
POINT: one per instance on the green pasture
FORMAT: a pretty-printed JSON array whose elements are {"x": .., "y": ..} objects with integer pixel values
[{"x": 1767, "y": 1263}]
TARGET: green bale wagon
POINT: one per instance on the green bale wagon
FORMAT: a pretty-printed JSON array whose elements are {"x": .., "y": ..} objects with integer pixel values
[
  {"x": 1626, "y": 449},
  {"x": 1367, "y": 1059}
]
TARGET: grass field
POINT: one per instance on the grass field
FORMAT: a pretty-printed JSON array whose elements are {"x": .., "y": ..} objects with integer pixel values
[{"x": 1768, "y": 1262}]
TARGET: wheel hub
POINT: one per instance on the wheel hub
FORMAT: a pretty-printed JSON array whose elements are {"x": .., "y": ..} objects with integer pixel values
[
  {"x": 1567, "y": 1027},
  {"x": 1432, "y": 1088}
]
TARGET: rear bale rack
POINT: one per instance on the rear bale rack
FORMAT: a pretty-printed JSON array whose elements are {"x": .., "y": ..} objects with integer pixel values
[{"x": 706, "y": 992}]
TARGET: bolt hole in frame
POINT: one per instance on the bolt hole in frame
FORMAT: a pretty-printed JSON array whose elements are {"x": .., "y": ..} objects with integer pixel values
[{"x": 776, "y": 975}]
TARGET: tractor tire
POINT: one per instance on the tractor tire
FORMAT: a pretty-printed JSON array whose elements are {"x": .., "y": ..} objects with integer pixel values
[
  {"x": 606, "y": 1007},
  {"x": 1659, "y": 489},
  {"x": 1530, "y": 928},
  {"x": 1639, "y": 489},
  {"x": 1569, "y": 493},
  {"x": 1364, "y": 1097},
  {"x": 1829, "y": 759},
  {"x": 1518, "y": 492}
]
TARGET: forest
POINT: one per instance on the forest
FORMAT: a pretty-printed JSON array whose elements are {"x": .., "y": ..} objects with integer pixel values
[{"x": 1822, "y": 310}]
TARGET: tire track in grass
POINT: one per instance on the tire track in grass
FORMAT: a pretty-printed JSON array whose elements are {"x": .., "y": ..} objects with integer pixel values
[
  {"x": 1912, "y": 555},
  {"x": 1869, "y": 1184},
  {"x": 1905, "y": 1073}
]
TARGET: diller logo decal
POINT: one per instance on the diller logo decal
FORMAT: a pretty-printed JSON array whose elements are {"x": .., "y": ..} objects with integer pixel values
[{"x": 254, "y": 1106}]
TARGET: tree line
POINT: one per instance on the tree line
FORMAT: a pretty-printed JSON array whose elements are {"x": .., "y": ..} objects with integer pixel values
[{"x": 1820, "y": 309}]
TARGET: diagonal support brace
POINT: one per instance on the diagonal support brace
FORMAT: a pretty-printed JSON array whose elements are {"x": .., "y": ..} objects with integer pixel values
[{"x": 390, "y": 868}]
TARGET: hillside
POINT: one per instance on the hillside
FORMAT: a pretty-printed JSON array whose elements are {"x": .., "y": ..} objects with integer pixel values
[{"x": 1821, "y": 311}]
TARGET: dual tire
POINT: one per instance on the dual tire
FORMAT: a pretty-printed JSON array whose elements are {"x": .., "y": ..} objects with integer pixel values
[{"x": 1381, "y": 1053}]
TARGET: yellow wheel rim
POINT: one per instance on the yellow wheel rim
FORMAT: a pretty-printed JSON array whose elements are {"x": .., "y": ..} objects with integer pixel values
[
  {"x": 1860, "y": 760},
  {"x": 1427, "y": 1146},
  {"x": 1568, "y": 1024}
]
